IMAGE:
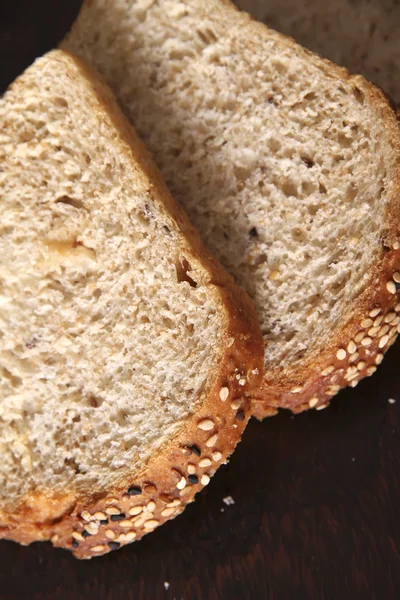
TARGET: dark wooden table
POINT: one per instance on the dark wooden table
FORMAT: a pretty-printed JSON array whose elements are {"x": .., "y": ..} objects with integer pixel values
[{"x": 317, "y": 497}]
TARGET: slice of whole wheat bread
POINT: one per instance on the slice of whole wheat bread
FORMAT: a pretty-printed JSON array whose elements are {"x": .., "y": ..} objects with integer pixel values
[
  {"x": 127, "y": 355},
  {"x": 288, "y": 166}
]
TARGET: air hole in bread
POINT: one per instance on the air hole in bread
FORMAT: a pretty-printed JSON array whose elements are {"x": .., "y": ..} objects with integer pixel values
[
  {"x": 359, "y": 95},
  {"x": 12, "y": 379},
  {"x": 70, "y": 202},
  {"x": 182, "y": 271}
]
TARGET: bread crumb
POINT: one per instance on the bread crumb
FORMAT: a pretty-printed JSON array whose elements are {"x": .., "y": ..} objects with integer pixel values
[
  {"x": 391, "y": 401},
  {"x": 228, "y": 500},
  {"x": 166, "y": 585}
]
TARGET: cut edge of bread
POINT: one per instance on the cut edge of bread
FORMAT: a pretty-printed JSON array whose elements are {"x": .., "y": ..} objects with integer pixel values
[{"x": 98, "y": 522}]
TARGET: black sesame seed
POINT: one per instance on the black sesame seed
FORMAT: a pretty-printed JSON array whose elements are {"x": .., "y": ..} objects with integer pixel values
[
  {"x": 253, "y": 232},
  {"x": 195, "y": 449},
  {"x": 114, "y": 545},
  {"x": 119, "y": 517},
  {"x": 240, "y": 415},
  {"x": 86, "y": 534},
  {"x": 104, "y": 522},
  {"x": 397, "y": 286},
  {"x": 134, "y": 490},
  {"x": 193, "y": 479},
  {"x": 75, "y": 543}
]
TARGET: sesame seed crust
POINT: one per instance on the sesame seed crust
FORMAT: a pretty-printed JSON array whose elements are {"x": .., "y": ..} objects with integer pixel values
[
  {"x": 352, "y": 353},
  {"x": 97, "y": 521}
]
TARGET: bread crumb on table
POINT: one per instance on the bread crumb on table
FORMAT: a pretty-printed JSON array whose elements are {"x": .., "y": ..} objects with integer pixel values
[
  {"x": 391, "y": 401},
  {"x": 166, "y": 585},
  {"x": 228, "y": 500}
]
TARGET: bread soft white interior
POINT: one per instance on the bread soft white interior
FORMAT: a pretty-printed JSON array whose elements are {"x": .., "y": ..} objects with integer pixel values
[
  {"x": 107, "y": 345},
  {"x": 362, "y": 35},
  {"x": 280, "y": 159}
]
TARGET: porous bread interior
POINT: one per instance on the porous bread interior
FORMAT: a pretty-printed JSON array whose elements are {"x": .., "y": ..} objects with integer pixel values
[
  {"x": 279, "y": 160},
  {"x": 105, "y": 350},
  {"x": 361, "y": 35}
]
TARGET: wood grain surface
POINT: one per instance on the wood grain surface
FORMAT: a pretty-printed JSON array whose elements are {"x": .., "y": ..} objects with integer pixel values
[{"x": 317, "y": 497}]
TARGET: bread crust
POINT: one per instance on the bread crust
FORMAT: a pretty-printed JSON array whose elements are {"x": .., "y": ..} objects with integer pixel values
[
  {"x": 97, "y": 522},
  {"x": 313, "y": 381}
]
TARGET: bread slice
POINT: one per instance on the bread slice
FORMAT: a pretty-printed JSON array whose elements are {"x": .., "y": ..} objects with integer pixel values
[
  {"x": 288, "y": 166},
  {"x": 127, "y": 355},
  {"x": 362, "y": 36}
]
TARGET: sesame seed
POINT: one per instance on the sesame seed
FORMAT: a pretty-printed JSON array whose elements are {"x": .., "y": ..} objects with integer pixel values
[
  {"x": 391, "y": 287},
  {"x": 313, "y": 402},
  {"x": 217, "y": 456},
  {"x": 354, "y": 383},
  {"x": 98, "y": 548},
  {"x": 390, "y": 317},
  {"x": 396, "y": 321},
  {"x": 383, "y": 330},
  {"x": 328, "y": 370},
  {"x": 383, "y": 341},
  {"x": 378, "y": 359},
  {"x": 86, "y": 534},
  {"x": 359, "y": 337},
  {"x": 135, "y": 510},
  {"x": 134, "y": 490},
  {"x": 205, "y": 462},
  {"x": 86, "y": 516},
  {"x": 114, "y": 545},
  {"x": 373, "y": 331},
  {"x": 151, "y": 507},
  {"x": 205, "y": 424},
  {"x": 75, "y": 544},
  {"x": 111, "y": 501},
  {"x": 296, "y": 390},
  {"x": 353, "y": 357},
  {"x": 351, "y": 376},
  {"x": 351, "y": 370},
  {"x": 378, "y": 321},
  {"x": 92, "y": 528},
  {"x": 167, "y": 512},
  {"x": 130, "y": 536},
  {"x": 110, "y": 534},
  {"x": 211, "y": 440},
  {"x": 77, "y": 536},
  {"x": 193, "y": 479},
  {"x": 224, "y": 393},
  {"x": 113, "y": 510},
  {"x": 371, "y": 370},
  {"x": 117, "y": 518},
  {"x": 191, "y": 469},
  {"x": 367, "y": 341},
  {"x": 365, "y": 323},
  {"x": 397, "y": 307},
  {"x": 240, "y": 416},
  {"x": 126, "y": 524},
  {"x": 396, "y": 277},
  {"x": 374, "y": 313},
  {"x": 181, "y": 483},
  {"x": 351, "y": 347},
  {"x": 334, "y": 389},
  {"x": 205, "y": 479},
  {"x": 138, "y": 522},
  {"x": 322, "y": 407},
  {"x": 151, "y": 524},
  {"x": 361, "y": 365},
  {"x": 235, "y": 404},
  {"x": 100, "y": 516},
  {"x": 341, "y": 354}
]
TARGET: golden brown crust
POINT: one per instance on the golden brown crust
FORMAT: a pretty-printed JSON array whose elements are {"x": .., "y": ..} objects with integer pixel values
[
  {"x": 100, "y": 522},
  {"x": 362, "y": 340}
]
